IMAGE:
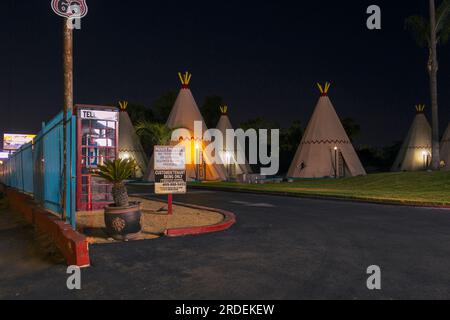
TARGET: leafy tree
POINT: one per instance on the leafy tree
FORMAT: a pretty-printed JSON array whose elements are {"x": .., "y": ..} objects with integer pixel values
[
  {"x": 153, "y": 134},
  {"x": 351, "y": 127},
  {"x": 259, "y": 123},
  {"x": 430, "y": 33},
  {"x": 291, "y": 138},
  {"x": 139, "y": 113},
  {"x": 378, "y": 159},
  {"x": 289, "y": 141},
  {"x": 163, "y": 106},
  {"x": 210, "y": 110}
]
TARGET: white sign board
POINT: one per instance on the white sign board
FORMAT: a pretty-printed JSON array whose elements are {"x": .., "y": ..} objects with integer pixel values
[
  {"x": 99, "y": 115},
  {"x": 170, "y": 170},
  {"x": 4, "y": 155},
  {"x": 170, "y": 158},
  {"x": 170, "y": 182},
  {"x": 15, "y": 141}
]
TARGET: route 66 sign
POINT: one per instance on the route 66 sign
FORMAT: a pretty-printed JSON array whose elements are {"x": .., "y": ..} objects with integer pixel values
[{"x": 70, "y": 8}]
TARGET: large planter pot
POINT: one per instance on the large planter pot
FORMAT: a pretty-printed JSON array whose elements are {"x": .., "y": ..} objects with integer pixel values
[{"x": 123, "y": 223}]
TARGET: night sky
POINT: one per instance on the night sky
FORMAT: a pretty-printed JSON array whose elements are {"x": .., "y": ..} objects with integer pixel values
[{"x": 263, "y": 57}]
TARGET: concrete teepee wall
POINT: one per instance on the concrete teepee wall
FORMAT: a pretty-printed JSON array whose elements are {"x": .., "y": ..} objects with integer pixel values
[
  {"x": 129, "y": 143},
  {"x": 445, "y": 150},
  {"x": 184, "y": 114},
  {"x": 325, "y": 150},
  {"x": 415, "y": 153},
  {"x": 230, "y": 157}
]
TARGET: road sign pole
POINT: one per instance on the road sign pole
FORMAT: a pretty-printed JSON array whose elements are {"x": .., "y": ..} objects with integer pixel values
[
  {"x": 68, "y": 101},
  {"x": 170, "y": 204}
]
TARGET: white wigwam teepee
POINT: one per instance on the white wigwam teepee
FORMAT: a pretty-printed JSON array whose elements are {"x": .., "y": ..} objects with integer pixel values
[
  {"x": 184, "y": 114},
  {"x": 325, "y": 150},
  {"x": 230, "y": 156},
  {"x": 130, "y": 146},
  {"x": 445, "y": 150},
  {"x": 415, "y": 153}
]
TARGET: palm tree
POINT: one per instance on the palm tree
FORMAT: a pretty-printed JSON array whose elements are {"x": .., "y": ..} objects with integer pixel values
[
  {"x": 117, "y": 172},
  {"x": 431, "y": 33},
  {"x": 153, "y": 134}
]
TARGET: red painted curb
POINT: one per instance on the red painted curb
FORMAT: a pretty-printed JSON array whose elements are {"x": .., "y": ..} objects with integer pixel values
[
  {"x": 72, "y": 245},
  {"x": 227, "y": 223}
]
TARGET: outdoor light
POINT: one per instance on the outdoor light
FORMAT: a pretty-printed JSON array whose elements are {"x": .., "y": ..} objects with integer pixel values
[
  {"x": 228, "y": 162},
  {"x": 425, "y": 155},
  {"x": 197, "y": 160},
  {"x": 126, "y": 156},
  {"x": 228, "y": 157},
  {"x": 335, "y": 162}
]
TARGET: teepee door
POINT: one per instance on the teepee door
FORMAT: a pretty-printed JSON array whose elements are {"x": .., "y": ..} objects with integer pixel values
[
  {"x": 200, "y": 167},
  {"x": 341, "y": 165}
]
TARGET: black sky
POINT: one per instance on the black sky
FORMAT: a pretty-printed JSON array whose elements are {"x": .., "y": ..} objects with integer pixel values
[{"x": 264, "y": 57}]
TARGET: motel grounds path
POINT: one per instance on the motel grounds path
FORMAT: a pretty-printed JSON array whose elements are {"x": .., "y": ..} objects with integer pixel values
[{"x": 280, "y": 248}]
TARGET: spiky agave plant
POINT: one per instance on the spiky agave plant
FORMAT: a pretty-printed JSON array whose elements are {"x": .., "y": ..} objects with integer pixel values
[{"x": 117, "y": 172}]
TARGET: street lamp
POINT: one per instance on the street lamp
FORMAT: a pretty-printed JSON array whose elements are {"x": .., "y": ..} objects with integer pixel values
[
  {"x": 335, "y": 162},
  {"x": 425, "y": 157},
  {"x": 228, "y": 162},
  {"x": 197, "y": 160}
]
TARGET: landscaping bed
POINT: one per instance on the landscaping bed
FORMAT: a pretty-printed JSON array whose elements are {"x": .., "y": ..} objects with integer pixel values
[
  {"x": 155, "y": 220},
  {"x": 409, "y": 188}
]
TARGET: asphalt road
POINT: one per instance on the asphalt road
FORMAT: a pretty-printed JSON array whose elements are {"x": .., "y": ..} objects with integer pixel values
[{"x": 281, "y": 248}]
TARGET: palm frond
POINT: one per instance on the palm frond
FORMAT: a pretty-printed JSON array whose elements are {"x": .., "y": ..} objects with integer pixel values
[
  {"x": 419, "y": 28},
  {"x": 443, "y": 22},
  {"x": 117, "y": 171},
  {"x": 157, "y": 133}
]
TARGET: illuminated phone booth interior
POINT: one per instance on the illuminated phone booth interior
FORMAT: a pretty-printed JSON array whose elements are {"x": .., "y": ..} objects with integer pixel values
[{"x": 97, "y": 142}]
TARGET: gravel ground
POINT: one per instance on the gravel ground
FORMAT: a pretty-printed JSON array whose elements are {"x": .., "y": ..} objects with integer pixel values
[{"x": 155, "y": 220}]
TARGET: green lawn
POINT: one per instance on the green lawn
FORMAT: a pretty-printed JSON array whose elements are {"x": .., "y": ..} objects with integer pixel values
[{"x": 426, "y": 188}]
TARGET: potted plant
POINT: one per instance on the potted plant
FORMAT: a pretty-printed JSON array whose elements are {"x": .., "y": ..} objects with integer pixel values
[{"x": 123, "y": 218}]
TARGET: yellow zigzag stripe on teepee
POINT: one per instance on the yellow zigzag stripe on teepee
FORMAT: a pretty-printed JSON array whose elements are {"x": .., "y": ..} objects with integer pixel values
[
  {"x": 420, "y": 107},
  {"x": 185, "y": 78},
  {"x": 123, "y": 105}
]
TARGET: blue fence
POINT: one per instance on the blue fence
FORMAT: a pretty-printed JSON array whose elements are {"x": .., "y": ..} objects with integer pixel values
[{"x": 37, "y": 168}]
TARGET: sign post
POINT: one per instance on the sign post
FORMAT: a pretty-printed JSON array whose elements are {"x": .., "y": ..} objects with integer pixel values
[
  {"x": 72, "y": 12},
  {"x": 170, "y": 172}
]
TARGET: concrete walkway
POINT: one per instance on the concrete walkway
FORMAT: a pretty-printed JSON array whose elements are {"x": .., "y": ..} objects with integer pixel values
[{"x": 21, "y": 257}]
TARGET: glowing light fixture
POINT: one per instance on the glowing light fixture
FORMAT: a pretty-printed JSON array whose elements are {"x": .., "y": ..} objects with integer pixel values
[{"x": 426, "y": 156}]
